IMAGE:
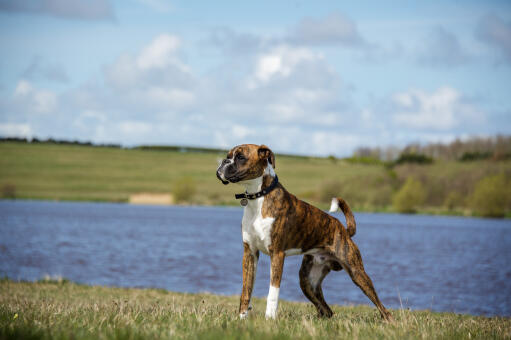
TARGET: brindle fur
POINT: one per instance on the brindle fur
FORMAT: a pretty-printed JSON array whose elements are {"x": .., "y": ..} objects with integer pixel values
[
  {"x": 298, "y": 224},
  {"x": 249, "y": 271}
]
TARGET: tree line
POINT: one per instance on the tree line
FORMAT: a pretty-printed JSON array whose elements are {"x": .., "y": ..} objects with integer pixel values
[{"x": 470, "y": 149}]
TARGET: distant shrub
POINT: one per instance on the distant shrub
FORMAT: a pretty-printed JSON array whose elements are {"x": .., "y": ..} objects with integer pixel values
[
  {"x": 474, "y": 156},
  {"x": 8, "y": 191},
  {"x": 184, "y": 189},
  {"x": 411, "y": 195},
  {"x": 413, "y": 158},
  {"x": 453, "y": 200},
  {"x": 332, "y": 159},
  {"x": 328, "y": 190},
  {"x": 491, "y": 196}
]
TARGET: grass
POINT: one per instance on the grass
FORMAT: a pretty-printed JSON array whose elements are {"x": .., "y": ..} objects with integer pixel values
[
  {"x": 78, "y": 172},
  {"x": 73, "y": 172},
  {"x": 65, "y": 310}
]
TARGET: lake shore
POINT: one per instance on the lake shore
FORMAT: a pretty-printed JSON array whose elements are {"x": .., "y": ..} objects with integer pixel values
[
  {"x": 164, "y": 200},
  {"x": 55, "y": 309}
]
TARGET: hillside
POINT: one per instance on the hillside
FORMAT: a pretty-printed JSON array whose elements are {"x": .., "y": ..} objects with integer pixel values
[{"x": 78, "y": 172}]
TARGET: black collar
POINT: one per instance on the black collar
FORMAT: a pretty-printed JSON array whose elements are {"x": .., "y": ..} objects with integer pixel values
[{"x": 261, "y": 193}]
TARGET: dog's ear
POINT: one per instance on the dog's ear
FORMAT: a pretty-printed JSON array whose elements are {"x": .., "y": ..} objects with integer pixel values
[{"x": 264, "y": 152}]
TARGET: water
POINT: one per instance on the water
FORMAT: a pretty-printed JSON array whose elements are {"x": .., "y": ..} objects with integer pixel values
[{"x": 450, "y": 264}]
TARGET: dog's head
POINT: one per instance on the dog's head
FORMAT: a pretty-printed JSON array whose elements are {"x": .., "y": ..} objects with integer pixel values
[{"x": 244, "y": 162}]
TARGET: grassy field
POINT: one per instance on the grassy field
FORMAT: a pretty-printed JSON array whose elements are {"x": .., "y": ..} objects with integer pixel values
[
  {"x": 74, "y": 172},
  {"x": 68, "y": 172},
  {"x": 64, "y": 310}
]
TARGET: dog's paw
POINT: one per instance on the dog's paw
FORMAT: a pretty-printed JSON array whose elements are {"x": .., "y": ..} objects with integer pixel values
[
  {"x": 244, "y": 315},
  {"x": 271, "y": 315}
]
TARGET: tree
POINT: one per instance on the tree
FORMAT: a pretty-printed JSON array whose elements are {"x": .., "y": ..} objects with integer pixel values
[
  {"x": 491, "y": 196},
  {"x": 411, "y": 195}
]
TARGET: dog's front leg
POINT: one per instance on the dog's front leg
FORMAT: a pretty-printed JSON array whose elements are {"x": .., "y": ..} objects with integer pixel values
[
  {"x": 249, "y": 271},
  {"x": 277, "y": 266}
]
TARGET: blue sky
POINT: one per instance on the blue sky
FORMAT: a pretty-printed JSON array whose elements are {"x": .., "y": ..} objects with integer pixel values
[{"x": 314, "y": 78}]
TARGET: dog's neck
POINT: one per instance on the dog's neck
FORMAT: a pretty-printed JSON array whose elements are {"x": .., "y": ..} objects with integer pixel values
[{"x": 255, "y": 185}]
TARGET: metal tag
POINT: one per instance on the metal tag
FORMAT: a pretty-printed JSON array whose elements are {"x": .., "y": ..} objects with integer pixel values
[{"x": 244, "y": 202}]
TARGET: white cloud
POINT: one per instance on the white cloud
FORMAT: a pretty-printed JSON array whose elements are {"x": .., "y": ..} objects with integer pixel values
[
  {"x": 154, "y": 79},
  {"x": 286, "y": 96},
  {"x": 34, "y": 100},
  {"x": 334, "y": 143},
  {"x": 281, "y": 61},
  {"x": 442, "y": 109},
  {"x": 168, "y": 97},
  {"x": 135, "y": 128},
  {"x": 15, "y": 130},
  {"x": 157, "y": 63},
  {"x": 241, "y": 131},
  {"x": 23, "y": 88},
  {"x": 160, "y": 53}
]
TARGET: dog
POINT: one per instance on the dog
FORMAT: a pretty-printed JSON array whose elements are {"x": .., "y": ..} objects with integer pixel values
[{"x": 278, "y": 224}]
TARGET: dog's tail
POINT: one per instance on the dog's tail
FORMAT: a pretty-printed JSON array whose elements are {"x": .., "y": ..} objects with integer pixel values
[{"x": 351, "y": 225}]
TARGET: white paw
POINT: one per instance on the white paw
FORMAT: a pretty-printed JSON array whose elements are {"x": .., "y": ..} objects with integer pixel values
[
  {"x": 243, "y": 315},
  {"x": 271, "y": 315}
]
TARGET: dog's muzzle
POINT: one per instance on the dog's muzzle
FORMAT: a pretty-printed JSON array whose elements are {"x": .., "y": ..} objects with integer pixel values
[
  {"x": 220, "y": 178},
  {"x": 220, "y": 172}
]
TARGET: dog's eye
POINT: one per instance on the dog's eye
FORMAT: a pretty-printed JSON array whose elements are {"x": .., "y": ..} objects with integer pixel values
[{"x": 240, "y": 157}]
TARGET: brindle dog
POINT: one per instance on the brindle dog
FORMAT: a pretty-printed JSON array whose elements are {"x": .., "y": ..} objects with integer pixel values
[{"x": 279, "y": 224}]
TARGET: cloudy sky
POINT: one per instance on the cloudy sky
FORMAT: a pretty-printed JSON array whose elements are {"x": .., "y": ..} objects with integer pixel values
[{"x": 311, "y": 77}]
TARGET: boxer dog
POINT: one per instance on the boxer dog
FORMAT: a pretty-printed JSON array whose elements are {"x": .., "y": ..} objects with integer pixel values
[{"x": 278, "y": 224}]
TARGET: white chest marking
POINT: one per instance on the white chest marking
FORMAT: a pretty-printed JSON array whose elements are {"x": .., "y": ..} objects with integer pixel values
[{"x": 256, "y": 230}]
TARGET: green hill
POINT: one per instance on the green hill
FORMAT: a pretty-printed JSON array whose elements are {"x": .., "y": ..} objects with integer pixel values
[{"x": 79, "y": 172}]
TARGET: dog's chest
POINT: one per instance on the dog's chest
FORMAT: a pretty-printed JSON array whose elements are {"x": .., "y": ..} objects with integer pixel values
[{"x": 255, "y": 229}]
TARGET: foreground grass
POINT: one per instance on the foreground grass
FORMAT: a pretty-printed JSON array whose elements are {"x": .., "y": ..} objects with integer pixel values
[{"x": 52, "y": 310}]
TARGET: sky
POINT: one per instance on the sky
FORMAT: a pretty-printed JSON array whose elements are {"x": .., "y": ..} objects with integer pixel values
[{"x": 303, "y": 77}]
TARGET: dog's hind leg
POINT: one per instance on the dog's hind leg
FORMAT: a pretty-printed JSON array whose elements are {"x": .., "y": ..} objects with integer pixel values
[
  {"x": 311, "y": 277},
  {"x": 351, "y": 260}
]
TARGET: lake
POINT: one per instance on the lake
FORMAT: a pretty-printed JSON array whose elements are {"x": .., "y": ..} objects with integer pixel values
[{"x": 452, "y": 264}]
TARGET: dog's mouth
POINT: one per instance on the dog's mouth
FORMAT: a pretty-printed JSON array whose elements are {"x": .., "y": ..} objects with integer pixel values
[
  {"x": 224, "y": 182},
  {"x": 235, "y": 178}
]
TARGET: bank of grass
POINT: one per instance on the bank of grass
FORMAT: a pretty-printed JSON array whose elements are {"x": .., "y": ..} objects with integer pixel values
[
  {"x": 75, "y": 172},
  {"x": 64, "y": 310},
  {"x": 86, "y": 173}
]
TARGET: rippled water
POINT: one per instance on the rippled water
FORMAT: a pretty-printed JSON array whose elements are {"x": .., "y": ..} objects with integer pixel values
[{"x": 421, "y": 262}]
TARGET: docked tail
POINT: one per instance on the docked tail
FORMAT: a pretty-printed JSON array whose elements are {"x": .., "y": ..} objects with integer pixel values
[{"x": 338, "y": 202}]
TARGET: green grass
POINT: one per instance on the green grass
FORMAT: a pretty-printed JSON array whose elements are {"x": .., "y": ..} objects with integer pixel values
[
  {"x": 71, "y": 172},
  {"x": 64, "y": 310},
  {"x": 77, "y": 172}
]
